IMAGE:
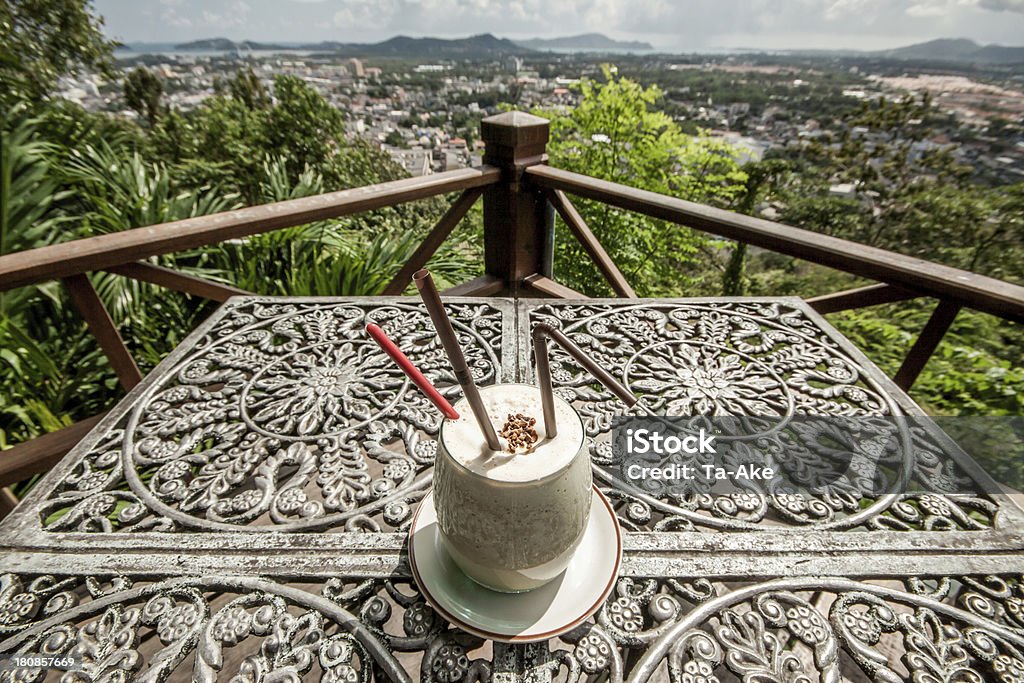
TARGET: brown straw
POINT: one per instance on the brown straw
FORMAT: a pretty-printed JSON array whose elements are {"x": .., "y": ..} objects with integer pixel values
[
  {"x": 428, "y": 292},
  {"x": 541, "y": 333}
]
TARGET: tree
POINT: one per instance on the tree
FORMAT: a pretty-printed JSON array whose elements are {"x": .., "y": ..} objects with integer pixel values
[
  {"x": 27, "y": 194},
  {"x": 911, "y": 194},
  {"x": 34, "y": 336},
  {"x": 41, "y": 40},
  {"x": 225, "y": 143},
  {"x": 142, "y": 92},
  {"x": 616, "y": 134},
  {"x": 247, "y": 89},
  {"x": 911, "y": 197},
  {"x": 302, "y": 127},
  {"x": 762, "y": 178}
]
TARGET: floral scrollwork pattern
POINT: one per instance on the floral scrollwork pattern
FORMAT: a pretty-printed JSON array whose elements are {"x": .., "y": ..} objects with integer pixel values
[
  {"x": 357, "y": 630},
  {"x": 802, "y": 630},
  {"x": 281, "y": 416}
]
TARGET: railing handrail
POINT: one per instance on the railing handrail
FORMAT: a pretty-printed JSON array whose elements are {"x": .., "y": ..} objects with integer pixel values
[
  {"x": 925, "y": 278},
  {"x": 85, "y": 255},
  {"x": 919, "y": 276}
]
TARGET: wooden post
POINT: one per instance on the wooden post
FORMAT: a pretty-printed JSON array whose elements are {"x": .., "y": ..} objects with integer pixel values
[
  {"x": 8, "y": 501},
  {"x": 102, "y": 327},
  {"x": 455, "y": 213},
  {"x": 932, "y": 334},
  {"x": 517, "y": 233},
  {"x": 578, "y": 227}
]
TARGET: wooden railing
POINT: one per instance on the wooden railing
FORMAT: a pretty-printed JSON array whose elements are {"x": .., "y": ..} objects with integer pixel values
[{"x": 521, "y": 195}]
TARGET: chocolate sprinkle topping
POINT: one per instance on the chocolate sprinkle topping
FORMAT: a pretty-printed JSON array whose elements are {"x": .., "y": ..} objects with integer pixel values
[{"x": 520, "y": 433}]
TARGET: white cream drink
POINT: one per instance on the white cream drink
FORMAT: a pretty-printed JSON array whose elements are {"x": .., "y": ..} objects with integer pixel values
[{"x": 511, "y": 520}]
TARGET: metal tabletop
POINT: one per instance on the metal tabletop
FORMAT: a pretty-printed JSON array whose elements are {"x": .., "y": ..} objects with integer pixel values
[{"x": 242, "y": 514}]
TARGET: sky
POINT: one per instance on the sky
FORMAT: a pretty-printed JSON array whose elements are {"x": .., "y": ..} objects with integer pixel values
[{"x": 677, "y": 26}]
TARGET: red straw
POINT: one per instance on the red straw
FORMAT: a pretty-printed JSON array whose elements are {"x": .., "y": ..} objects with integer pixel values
[{"x": 411, "y": 371}]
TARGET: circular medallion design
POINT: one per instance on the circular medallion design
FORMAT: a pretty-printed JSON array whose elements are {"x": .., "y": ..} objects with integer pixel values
[
  {"x": 322, "y": 390},
  {"x": 684, "y": 378}
]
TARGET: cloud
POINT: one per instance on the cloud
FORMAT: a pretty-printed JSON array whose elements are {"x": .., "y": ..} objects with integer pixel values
[
  {"x": 364, "y": 13},
  {"x": 1002, "y": 5},
  {"x": 840, "y": 10},
  {"x": 927, "y": 9},
  {"x": 693, "y": 25},
  {"x": 233, "y": 15},
  {"x": 176, "y": 20},
  {"x": 946, "y": 8},
  {"x": 170, "y": 15}
]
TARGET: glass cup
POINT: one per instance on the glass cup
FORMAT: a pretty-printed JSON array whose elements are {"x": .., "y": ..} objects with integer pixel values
[{"x": 510, "y": 533}]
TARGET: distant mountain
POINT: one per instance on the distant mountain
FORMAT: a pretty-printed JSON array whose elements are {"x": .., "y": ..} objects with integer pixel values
[
  {"x": 207, "y": 44},
  {"x": 143, "y": 47},
  {"x": 999, "y": 54},
  {"x": 957, "y": 50},
  {"x": 228, "y": 45},
  {"x": 484, "y": 45},
  {"x": 586, "y": 42}
]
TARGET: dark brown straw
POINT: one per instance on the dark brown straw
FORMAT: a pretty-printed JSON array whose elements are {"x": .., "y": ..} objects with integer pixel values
[
  {"x": 428, "y": 292},
  {"x": 541, "y": 333}
]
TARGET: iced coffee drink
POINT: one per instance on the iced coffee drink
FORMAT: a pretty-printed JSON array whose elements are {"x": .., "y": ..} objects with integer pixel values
[{"x": 512, "y": 519}]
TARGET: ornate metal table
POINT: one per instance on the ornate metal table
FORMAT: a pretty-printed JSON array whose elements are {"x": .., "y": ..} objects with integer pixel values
[{"x": 241, "y": 514}]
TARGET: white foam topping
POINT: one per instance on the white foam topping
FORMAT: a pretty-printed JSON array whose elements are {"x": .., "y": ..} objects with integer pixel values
[{"x": 467, "y": 445}]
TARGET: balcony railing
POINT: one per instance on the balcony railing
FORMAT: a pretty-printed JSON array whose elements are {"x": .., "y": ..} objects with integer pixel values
[{"x": 517, "y": 187}]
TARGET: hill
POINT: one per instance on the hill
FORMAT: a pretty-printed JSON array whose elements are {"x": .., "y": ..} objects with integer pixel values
[
  {"x": 483, "y": 45},
  {"x": 958, "y": 50},
  {"x": 586, "y": 42},
  {"x": 208, "y": 44},
  {"x": 226, "y": 44}
]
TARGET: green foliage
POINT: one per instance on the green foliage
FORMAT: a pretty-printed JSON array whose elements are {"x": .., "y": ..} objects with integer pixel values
[
  {"x": 217, "y": 144},
  {"x": 66, "y": 173},
  {"x": 302, "y": 127},
  {"x": 120, "y": 190},
  {"x": 910, "y": 198},
  {"x": 52, "y": 371},
  {"x": 226, "y": 141},
  {"x": 27, "y": 198},
  {"x": 978, "y": 369},
  {"x": 834, "y": 216},
  {"x": 330, "y": 258},
  {"x": 41, "y": 40},
  {"x": 43, "y": 384},
  {"x": 142, "y": 92},
  {"x": 247, "y": 89},
  {"x": 616, "y": 134},
  {"x": 762, "y": 176},
  {"x": 27, "y": 192}
]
